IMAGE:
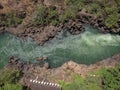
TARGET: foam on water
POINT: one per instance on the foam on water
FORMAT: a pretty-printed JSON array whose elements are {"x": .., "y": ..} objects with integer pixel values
[{"x": 88, "y": 47}]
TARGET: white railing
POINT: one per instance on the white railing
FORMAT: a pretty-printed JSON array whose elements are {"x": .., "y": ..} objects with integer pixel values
[{"x": 45, "y": 83}]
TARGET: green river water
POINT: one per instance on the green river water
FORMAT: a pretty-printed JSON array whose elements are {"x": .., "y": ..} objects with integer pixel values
[{"x": 86, "y": 48}]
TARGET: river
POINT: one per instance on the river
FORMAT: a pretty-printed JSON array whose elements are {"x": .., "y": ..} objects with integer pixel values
[{"x": 85, "y": 48}]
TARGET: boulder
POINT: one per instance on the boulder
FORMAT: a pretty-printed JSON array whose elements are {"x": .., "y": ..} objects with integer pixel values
[
  {"x": 39, "y": 58},
  {"x": 1, "y": 7}
]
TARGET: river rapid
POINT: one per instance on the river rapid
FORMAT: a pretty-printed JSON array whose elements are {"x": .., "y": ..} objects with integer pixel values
[{"x": 86, "y": 48}]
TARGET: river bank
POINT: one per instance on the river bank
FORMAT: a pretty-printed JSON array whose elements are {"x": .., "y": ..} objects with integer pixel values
[
  {"x": 75, "y": 26},
  {"x": 87, "y": 48},
  {"x": 31, "y": 70},
  {"x": 43, "y": 20}
]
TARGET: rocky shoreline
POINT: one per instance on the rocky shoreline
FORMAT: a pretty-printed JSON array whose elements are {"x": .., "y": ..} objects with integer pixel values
[
  {"x": 75, "y": 26},
  {"x": 42, "y": 33},
  {"x": 31, "y": 70},
  {"x": 45, "y": 33}
]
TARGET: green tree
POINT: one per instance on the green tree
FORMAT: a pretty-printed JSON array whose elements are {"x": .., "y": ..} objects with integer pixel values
[
  {"x": 45, "y": 16},
  {"x": 10, "y": 19},
  {"x": 38, "y": 17},
  {"x": 111, "y": 79},
  {"x": 9, "y": 76},
  {"x": 111, "y": 20},
  {"x": 9, "y": 80},
  {"x": 11, "y": 87}
]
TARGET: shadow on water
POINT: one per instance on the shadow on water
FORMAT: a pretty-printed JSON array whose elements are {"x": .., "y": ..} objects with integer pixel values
[{"x": 88, "y": 47}]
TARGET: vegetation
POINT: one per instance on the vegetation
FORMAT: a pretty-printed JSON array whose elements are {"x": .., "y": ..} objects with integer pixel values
[
  {"x": 106, "y": 9},
  {"x": 104, "y": 79},
  {"x": 9, "y": 80},
  {"x": 42, "y": 15},
  {"x": 68, "y": 14},
  {"x": 11, "y": 87},
  {"x": 79, "y": 83},
  {"x": 112, "y": 16},
  {"x": 94, "y": 8},
  {"x": 11, "y": 19},
  {"x": 111, "y": 79},
  {"x": 45, "y": 16},
  {"x": 77, "y": 4}
]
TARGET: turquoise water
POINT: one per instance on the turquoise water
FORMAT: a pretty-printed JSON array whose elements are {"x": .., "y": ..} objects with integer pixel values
[{"x": 86, "y": 48}]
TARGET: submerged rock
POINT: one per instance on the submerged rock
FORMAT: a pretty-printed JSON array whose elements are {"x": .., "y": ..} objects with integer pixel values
[
  {"x": 41, "y": 58},
  {"x": 2, "y": 29},
  {"x": 46, "y": 65}
]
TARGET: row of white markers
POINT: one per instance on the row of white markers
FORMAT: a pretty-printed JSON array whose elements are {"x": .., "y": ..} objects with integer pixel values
[{"x": 45, "y": 83}]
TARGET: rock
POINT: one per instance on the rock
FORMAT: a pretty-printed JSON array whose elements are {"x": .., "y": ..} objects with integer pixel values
[
  {"x": 74, "y": 27},
  {"x": 2, "y": 29},
  {"x": 61, "y": 73},
  {"x": 1, "y": 7},
  {"x": 13, "y": 59},
  {"x": 69, "y": 65},
  {"x": 39, "y": 58},
  {"x": 45, "y": 58},
  {"x": 46, "y": 65},
  {"x": 15, "y": 63}
]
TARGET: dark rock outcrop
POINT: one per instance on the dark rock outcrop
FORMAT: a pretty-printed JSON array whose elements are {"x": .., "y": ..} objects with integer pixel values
[
  {"x": 2, "y": 29},
  {"x": 1, "y": 7},
  {"x": 74, "y": 26}
]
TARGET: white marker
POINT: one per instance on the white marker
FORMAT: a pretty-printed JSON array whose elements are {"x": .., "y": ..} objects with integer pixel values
[
  {"x": 31, "y": 80},
  {"x": 36, "y": 81},
  {"x": 42, "y": 82},
  {"x": 50, "y": 84},
  {"x": 53, "y": 84},
  {"x": 47, "y": 83}
]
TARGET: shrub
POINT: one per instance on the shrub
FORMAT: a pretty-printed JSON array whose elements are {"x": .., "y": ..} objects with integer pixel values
[
  {"x": 105, "y": 79},
  {"x": 78, "y": 3},
  {"x": 78, "y": 83},
  {"x": 9, "y": 80},
  {"x": 110, "y": 9},
  {"x": 72, "y": 8},
  {"x": 53, "y": 16},
  {"x": 9, "y": 76},
  {"x": 10, "y": 19},
  {"x": 111, "y": 20},
  {"x": 67, "y": 14},
  {"x": 11, "y": 87},
  {"x": 112, "y": 16},
  {"x": 94, "y": 8},
  {"x": 44, "y": 16},
  {"x": 39, "y": 16},
  {"x": 111, "y": 78}
]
